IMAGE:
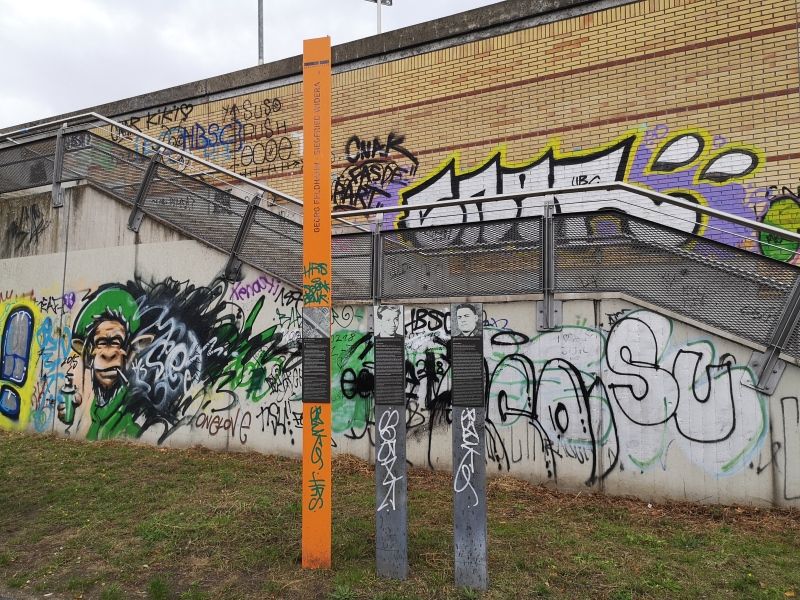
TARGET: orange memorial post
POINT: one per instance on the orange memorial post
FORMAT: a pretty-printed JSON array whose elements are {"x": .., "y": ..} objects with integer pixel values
[{"x": 317, "y": 481}]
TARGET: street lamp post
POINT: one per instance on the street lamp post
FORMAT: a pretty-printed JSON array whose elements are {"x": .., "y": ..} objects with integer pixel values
[
  {"x": 261, "y": 32},
  {"x": 379, "y": 2}
]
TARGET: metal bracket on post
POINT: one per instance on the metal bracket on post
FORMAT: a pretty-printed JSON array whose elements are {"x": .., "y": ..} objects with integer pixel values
[
  {"x": 234, "y": 267},
  {"x": 549, "y": 315},
  {"x": 376, "y": 261},
  {"x": 766, "y": 365},
  {"x": 58, "y": 168},
  {"x": 137, "y": 214}
]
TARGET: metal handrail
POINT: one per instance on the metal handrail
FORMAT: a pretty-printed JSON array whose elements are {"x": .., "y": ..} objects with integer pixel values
[
  {"x": 93, "y": 116},
  {"x": 607, "y": 187},
  {"x": 616, "y": 186},
  {"x": 152, "y": 140}
]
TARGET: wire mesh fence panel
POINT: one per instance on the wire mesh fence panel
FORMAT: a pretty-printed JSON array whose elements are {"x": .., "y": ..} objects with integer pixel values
[
  {"x": 275, "y": 244},
  {"x": 199, "y": 210},
  {"x": 710, "y": 282},
  {"x": 602, "y": 251},
  {"x": 189, "y": 203},
  {"x": 352, "y": 266},
  {"x": 481, "y": 259},
  {"x": 105, "y": 164},
  {"x": 176, "y": 136},
  {"x": 26, "y": 166},
  {"x": 792, "y": 346},
  {"x": 177, "y": 150}
]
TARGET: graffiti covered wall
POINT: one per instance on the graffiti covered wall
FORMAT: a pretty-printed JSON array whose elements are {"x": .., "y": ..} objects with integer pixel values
[
  {"x": 643, "y": 93},
  {"x": 622, "y": 399},
  {"x": 106, "y": 334},
  {"x": 633, "y": 403},
  {"x": 138, "y": 337},
  {"x": 173, "y": 355}
]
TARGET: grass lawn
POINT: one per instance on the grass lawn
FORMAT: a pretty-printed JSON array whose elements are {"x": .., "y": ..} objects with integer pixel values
[{"x": 118, "y": 521}]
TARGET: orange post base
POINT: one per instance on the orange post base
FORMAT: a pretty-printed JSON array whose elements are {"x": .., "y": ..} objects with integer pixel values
[{"x": 317, "y": 483}]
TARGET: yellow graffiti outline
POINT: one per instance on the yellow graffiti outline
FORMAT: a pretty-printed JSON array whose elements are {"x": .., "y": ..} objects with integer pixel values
[
  {"x": 703, "y": 217},
  {"x": 708, "y": 155},
  {"x": 26, "y": 391},
  {"x": 558, "y": 154},
  {"x": 553, "y": 146}
]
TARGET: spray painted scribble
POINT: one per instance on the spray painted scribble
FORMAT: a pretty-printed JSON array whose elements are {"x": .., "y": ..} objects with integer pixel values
[
  {"x": 25, "y": 227},
  {"x": 586, "y": 400},
  {"x": 386, "y": 457},
  {"x": 376, "y": 173},
  {"x": 464, "y": 471},
  {"x": 784, "y": 212},
  {"x": 18, "y": 351},
  {"x": 155, "y": 355}
]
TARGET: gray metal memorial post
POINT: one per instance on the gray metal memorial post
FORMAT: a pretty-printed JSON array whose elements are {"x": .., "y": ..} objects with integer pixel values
[
  {"x": 391, "y": 489},
  {"x": 469, "y": 467}
]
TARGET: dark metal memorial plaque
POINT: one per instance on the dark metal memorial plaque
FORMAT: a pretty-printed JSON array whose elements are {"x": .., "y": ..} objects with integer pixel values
[
  {"x": 317, "y": 370},
  {"x": 467, "y": 363},
  {"x": 390, "y": 371}
]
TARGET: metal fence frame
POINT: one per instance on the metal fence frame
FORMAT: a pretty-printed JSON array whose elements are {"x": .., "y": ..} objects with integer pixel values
[{"x": 369, "y": 285}]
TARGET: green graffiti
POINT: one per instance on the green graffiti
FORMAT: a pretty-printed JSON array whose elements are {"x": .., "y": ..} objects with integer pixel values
[
  {"x": 318, "y": 289},
  {"x": 784, "y": 212},
  {"x": 113, "y": 418},
  {"x": 755, "y": 442},
  {"x": 255, "y": 359},
  {"x": 151, "y": 350},
  {"x": 352, "y": 360},
  {"x": 316, "y": 292}
]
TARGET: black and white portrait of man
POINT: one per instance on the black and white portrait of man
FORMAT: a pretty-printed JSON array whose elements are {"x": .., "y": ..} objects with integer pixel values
[
  {"x": 388, "y": 320},
  {"x": 466, "y": 320}
]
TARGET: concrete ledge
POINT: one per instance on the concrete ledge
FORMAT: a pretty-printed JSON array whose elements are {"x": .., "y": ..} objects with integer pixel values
[{"x": 505, "y": 14}]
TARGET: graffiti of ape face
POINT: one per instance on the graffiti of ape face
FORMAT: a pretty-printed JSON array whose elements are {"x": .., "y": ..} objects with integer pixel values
[{"x": 109, "y": 351}]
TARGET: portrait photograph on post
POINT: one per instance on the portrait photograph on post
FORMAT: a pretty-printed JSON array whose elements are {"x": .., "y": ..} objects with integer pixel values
[
  {"x": 388, "y": 320},
  {"x": 466, "y": 319}
]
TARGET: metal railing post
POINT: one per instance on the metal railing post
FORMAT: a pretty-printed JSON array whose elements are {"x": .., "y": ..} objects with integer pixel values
[
  {"x": 766, "y": 365},
  {"x": 549, "y": 309},
  {"x": 137, "y": 213},
  {"x": 233, "y": 268},
  {"x": 58, "y": 168},
  {"x": 376, "y": 261}
]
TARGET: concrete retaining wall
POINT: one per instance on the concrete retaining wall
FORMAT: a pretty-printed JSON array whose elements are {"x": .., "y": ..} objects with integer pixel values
[{"x": 143, "y": 339}]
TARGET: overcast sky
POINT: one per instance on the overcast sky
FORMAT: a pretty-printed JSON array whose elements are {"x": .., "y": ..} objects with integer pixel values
[{"x": 62, "y": 55}]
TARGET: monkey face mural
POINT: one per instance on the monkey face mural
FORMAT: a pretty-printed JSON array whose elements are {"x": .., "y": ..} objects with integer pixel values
[
  {"x": 102, "y": 336},
  {"x": 108, "y": 355},
  {"x": 150, "y": 350}
]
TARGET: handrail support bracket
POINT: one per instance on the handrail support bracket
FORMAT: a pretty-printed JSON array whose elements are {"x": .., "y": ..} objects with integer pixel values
[
  {"x": 137, "y": 213},
  {"x": 233, "y": 268}
]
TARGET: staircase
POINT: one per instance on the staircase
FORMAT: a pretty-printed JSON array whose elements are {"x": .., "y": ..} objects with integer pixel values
[{"x": 603, "y": 252}]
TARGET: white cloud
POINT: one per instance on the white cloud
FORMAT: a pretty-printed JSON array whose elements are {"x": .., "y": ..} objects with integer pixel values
[{"x": 59, "y": 55}]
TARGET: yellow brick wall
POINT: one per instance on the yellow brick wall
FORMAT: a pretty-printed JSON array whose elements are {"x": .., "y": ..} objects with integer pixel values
[{"x": 655, "y": 69}]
